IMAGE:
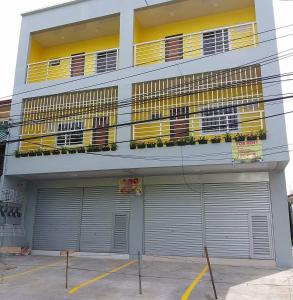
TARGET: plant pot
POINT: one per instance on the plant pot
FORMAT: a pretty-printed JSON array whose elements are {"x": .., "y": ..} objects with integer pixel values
[
  {"x": 215, "y": 141},
  {"x": 263, "y": 137},
  {"x": 39, "y": 153},
  {"x": 72, "y": 151},
  {"x": 141, "y": 146},
  {"x": 132, "y": 147},
  {"x": 160, "y": 145},
  {"x": 106, "y": 148},
  {"x": 170, "y": 144},
  {"x": 55, "y": 152},
  {"x": 81, "y": 150},
  {"x": 46, "y": 153},
  {"x": 181, "y": 143},
  {"x": 202, "y": 142},
  {"x": 31, "y": 154},
  {"x": 17, "y": 155},
  {"x": 240, "y": 139},
  {"x": 63, "y": 152},
  {"x": 228, "y": 140},
  {"x": 151, "y": 145}
]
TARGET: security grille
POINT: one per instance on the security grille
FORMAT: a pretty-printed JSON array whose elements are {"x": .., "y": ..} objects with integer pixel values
[
  {"x": 121, "y": 233},
  {"x": 215, "y": 41}
]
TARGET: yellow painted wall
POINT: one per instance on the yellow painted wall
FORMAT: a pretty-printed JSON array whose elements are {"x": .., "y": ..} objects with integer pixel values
[{"x": 41, "y": 72}]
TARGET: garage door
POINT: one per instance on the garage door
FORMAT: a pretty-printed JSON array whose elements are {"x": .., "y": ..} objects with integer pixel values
[
  {"x": 57, "y": 219},
  {"x": 105, "y": 217},
  {"x": 237, "y": 220},
  {"x": 173, "y": 220}
]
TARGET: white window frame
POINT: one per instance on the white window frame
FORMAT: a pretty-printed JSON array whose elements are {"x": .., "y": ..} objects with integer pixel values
[
  {"x": 107, "y": 67},
  {"x": 69, "y": 133},
  {"x": 223, "y": 41}
]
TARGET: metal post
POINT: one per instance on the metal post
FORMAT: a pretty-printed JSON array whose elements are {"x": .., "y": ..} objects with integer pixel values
[
  {"x": 211, "y": 273},
  {"x": 67, "y": 263},
  {"x": 139, "y": 273}
]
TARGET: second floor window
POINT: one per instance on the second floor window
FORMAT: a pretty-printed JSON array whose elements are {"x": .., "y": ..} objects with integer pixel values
[
  {"x": 174, "y": 47},
  {"x": 77, "y": 64},
  {"x": 70, "y": 138},
  {"x": 106, "y": 61},
  {"x": 215, "y": 42},
  {"x": 219, "y": 119}
]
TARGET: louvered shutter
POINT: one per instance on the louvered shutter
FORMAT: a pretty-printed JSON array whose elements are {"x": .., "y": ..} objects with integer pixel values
[
  {"x": 260, "y": 235},
  {"x": 173, "y": 220},
  {"x": 121, "y": 233},
  {"x": 57, "y": 219}
]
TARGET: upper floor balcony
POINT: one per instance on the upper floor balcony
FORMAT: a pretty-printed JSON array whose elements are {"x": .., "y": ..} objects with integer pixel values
[
  {"x": 82, "y": 49},
  {"x": 192, "y": 29}
]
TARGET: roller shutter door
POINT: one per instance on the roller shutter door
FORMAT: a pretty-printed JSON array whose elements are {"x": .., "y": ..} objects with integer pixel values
[
  {"x": 57, "y": 219},
  {"x": 228, "y": 207},
  {"x": 101, "y": 207},
  {"x": 173, "y": 220}
]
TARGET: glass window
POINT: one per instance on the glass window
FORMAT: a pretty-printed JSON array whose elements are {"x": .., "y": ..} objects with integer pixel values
[{"x": 70, "y": 138}]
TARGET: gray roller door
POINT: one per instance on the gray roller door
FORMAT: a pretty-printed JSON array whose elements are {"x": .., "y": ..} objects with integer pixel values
[
  {"x": 57, "y": 219},
  {"x": 173, "y": 220},
  {"x": 228, "y": 207},
  {"x": 103, "y": 208}
]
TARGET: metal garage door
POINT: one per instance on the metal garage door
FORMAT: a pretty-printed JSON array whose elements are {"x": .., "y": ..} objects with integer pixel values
[
  {"x": 57, "y": 219},
  {"x": 228, "y": 207},
  {"x": 104, "y": 226},
  {"x": 173, "y": 220}
]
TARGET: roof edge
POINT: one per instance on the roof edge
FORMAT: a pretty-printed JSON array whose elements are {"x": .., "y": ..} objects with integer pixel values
[{"x": 51, "y": 7}]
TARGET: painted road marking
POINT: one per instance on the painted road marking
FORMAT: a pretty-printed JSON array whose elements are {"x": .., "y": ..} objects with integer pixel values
[
  {"x": 194, "y": 283},
  {"x": 93, "y": 280},
  {"x": 31, "y": 270}
]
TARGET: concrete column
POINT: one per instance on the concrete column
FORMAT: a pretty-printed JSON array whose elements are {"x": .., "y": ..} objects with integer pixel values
[
  {"x": 126, "y": 36},
  {"x": 282, "y": 239},
  {"x": 136, "y": 226}
]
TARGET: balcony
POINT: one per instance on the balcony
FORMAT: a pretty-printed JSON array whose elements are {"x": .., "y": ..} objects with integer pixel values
[
  {"x": 69, "y": 121},
  {"x": 83, "y": 49},
  {"x": 200, "y": 106},
  {"x": 192, "y": 29}
]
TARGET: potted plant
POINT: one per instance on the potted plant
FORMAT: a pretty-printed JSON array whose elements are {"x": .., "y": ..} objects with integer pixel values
[
  {"x": 71, "y": 150},
  {"x": 228, "y": 137},
  {"x": 31, "y": 153},
  {"x": 17, "y": 153},
  {"x": 160, "y": 143},
  {"x": 106, "y": 148},
  {"x": 151, "y": 145},
  {"x": 63, "y": 150},
  {"x": 56, "y": 152},
  {"x": 46, "y": 152},
  {"x": 216, "y": 140},
  {"x": 133, "y": 145},
  {"x": 190, "y": 140},
  {"x": 141, "y": 145},
  {"x": 202, "y": 140},
  {"x": 170, "y": 143},
  {"x": 252, "y": 137},
  {"x": 81, "y": 150},
  {"x": 239, "y": 137},
  {"x": 39, "y": 152},
  {"x": 24, "y": 154},
  {"x": 181, "y": 142},
  {"x": 114, "y": 146},
  {"x": 262, "y": 134}
]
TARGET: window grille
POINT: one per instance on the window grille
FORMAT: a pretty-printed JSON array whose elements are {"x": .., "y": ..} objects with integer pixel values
[
  {"x": 215, "y": 42},
  {"x": 106, "y": 61},
  {"x": 70, "y": 138}
]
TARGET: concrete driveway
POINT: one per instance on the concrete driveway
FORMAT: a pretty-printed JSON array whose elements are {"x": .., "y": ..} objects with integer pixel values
[{"x": 43, "y": 277}]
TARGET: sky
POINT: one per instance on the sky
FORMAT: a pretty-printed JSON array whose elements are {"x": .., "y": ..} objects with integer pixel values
[{"x": 10, "y": 20}]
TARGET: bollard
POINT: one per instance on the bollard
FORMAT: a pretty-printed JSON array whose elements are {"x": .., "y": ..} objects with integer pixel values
[
  {"x": 139, "y": 273},
  {"x": 66, "y": 270}
]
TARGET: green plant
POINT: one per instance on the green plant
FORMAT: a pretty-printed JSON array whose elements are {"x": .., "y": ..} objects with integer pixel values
[
  {"x": 151, "y": 145},
  {"x": 63, "y": 150},
  {"x": 141, "y": 145},
  {"x": 202, "y": 140},
  {"x": 160, "y": 143},
  {"x": 17, "y": 153},
  {"x": 39, "y": 152},
  {"x": 181, "y": 142},
  {"x": 56, "y": 152},
  {"x": 114, "y": 146},
  {"x": 228, "y": 137},
  {"x": 71, "y": 150},
  {"x": 262, "y": 134},
  {"x": 133, "y": 145},
  {"x": 170, "y": 143},
  {"x": 239, "y": 137},
  {"x": 216, "y": 140},
  {"x": 46, "y": 152},
  {"x": 252, "y": 137},
  {"x": 23, "y": 154},
  {"x": 106, "y": 148},
  {"x": 81, "y": 150},
  {"x": 190, "y": 140},
  {"x": 32, "y": 153}
]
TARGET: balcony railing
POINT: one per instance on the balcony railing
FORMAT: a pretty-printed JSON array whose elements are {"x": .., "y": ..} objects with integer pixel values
[
  {"x": 196, "y": 44},
  {"x": 82, "y": 64}
]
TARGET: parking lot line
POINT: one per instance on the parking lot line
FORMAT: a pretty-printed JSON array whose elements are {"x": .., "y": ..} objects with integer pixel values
[
  {"x": 194, "y": 283},
  {"x": 93, "y": 280},
  {"x": 31, "y": 270}
]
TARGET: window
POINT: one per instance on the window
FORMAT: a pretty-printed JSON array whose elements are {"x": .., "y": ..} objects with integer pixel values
[
  {"x": 156, "y": 116},
  {"x": 174, "y": 47},
  {"x": 77, "y": 64},
  {"x": 222, "y": 118},
  {"x": 215, "y": 42},
  {"x": 70, "y": 138},
  {"x": 106, "y": 61},
  {"x": 54, "y": 62}
]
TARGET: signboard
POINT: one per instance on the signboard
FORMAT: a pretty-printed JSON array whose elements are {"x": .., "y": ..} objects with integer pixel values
[
  {"x": 247, "y": 151},
  {"x": 130, "y": 185}
]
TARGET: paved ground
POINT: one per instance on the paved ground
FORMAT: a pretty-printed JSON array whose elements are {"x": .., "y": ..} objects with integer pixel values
[{"x": 42, "y": 278}]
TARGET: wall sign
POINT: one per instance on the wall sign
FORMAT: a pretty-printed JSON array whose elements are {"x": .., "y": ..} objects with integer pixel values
[{"x": 247, "y": 151}]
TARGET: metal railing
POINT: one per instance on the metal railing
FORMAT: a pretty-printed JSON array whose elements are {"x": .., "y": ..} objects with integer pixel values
[
  {"x": 197, "y": 126},
  {"x": 83, "y": 64},
  {"x": 196, "y": 44}
]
